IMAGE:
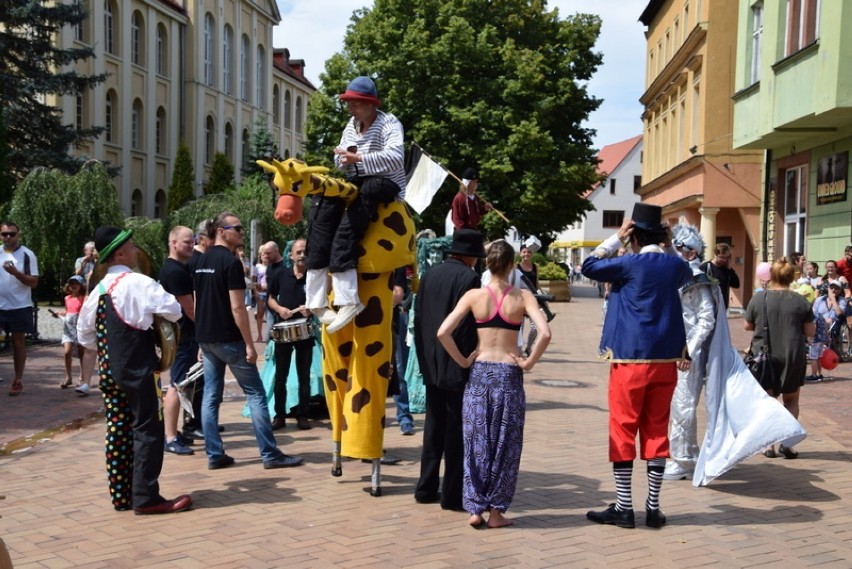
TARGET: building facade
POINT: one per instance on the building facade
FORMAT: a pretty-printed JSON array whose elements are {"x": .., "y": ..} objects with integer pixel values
[
  {"x": 691, "y": 167},
  {"x": 199, "y": 71},
  {"x": 793, "y": 99},
  {"x": 612, "y": 199}
]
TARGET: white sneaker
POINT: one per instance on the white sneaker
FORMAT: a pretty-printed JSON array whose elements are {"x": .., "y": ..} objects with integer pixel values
[
  {"x": 344, "y": 316},
  {"x": 82, "y": 389},
  {"x": 324, "y": 315},
  {"x": 674, "y": 471}
]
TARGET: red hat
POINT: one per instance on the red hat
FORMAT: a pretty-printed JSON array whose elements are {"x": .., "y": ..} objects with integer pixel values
[
  {"x": 361, "y": 89},
  {"x": 829, "y": 359}
]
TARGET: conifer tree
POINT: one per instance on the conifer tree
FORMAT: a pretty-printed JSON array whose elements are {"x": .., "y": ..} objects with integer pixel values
[
  {"x": 221, "y": 175},
  {"x": 181, "y": 189},
  {"x": 262, "y": 147}
]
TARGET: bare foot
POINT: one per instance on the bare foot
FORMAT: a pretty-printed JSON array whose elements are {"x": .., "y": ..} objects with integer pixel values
[
  {"x": 498, "y": 520},
  {"x": 476, "y": 521}
]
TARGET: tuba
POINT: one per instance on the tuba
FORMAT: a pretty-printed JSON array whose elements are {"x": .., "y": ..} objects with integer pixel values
[{"x": 166, "y": 334}]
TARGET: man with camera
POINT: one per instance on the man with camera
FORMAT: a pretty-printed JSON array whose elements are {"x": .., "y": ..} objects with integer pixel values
[{"x": 17, "y": 280}]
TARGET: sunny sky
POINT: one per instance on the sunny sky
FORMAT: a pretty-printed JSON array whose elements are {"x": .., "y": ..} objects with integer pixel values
[{"x": 313, "y": 30}]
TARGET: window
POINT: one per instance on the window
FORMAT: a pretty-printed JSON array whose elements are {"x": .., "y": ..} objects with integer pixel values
[
  {"x": 79, "y": 109},
  {"x": 756, "y": 36},
  {"x": 287, "y": 109},
  {"x": 162, "y": 51},
  {"x": 227, "y": 63},
  {"x": 161, "y": 131},
  {"x": 111, "y": 108},
  {"x": 136, "y": 203},
  {"x": 276, "y": 104},
  {"x": 160, "y": 207},
  {"x": 795, "y": 201},
  {"x": 137, "y": 39},
  {"x": 245, "y": 147},
  {"x": 81, "y": 30},
  {"x": 209, "y": 140},
  {"x": 637, "y": 182},
  {"x": 612, "y": 186},
  {"x": 209, "y": 34},
  {"x": 244, "y": 68},
  {"x": 613, "y": 218},
  {"x": 229, "y": 142},
  {"x": 110, "y": 41},
  {"x": 259, "y": 76},
  {"x": 136, "y": 125},
  {"x": 298, "y": 114},
  {"x": 802, "y": 24}
]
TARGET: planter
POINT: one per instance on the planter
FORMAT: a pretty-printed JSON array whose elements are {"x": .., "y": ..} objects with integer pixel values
[{"x": 561, "y": 290}]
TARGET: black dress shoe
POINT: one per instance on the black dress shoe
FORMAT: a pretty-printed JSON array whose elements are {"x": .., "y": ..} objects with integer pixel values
[
  {"x": 654, "y": 518},
  {"x": 279, "y": 423},
  {"x": 428, "y": 498},
  {"x": 223, "y": 462},
  {"x": 303, "y": 424},
  {"x": 611, "y": 516},
  {"x": 179, "y": 504}
]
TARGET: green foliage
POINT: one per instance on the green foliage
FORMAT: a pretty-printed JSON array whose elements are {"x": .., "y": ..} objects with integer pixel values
[
  {"x": 7, "y": 184},
  {"x": 221, "y": 175},
  {"x": 262, "y": 146},
  {"x": 34, "y": 69},
  {"x": 182, "y": 188},
  {"x": 252, "y": 199},
  {"x": 58, "y": 214},
  {"x": 496, "y": 85},
  {"x": 550, "y": 271},
  {"x": 151, "y": 236}
]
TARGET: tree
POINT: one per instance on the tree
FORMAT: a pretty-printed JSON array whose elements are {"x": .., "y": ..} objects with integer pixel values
[
  {"x": 262, "y": 146},
  {"x": 495, "y": 85},
  {"x": 221, "y": 175},
  {"x": 182, "y": 188},
  {"x": 33, "y": 69},
  {"x": 7, "y": 185}
]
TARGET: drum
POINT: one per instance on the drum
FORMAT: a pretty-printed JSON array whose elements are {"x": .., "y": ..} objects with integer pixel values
[{"x": 292, "y": 331}]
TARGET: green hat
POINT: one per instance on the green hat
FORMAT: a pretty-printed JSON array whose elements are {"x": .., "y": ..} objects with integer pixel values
[{"x": 108, "y": 239}]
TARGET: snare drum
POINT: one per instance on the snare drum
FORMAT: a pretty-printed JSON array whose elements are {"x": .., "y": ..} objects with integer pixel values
[{"x": 292, "y": 331}]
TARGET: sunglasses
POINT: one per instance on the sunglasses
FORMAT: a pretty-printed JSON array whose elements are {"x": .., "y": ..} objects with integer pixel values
[
  {"x": 9, "y": 233},
  {"x": 237, "y": 228}
]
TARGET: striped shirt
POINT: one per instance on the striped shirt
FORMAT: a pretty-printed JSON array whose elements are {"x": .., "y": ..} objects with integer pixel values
[{"x": 380, "y": 147}]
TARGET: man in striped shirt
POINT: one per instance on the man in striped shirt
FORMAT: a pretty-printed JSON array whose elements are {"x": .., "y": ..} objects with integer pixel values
[{"x": 372, "y": 156}]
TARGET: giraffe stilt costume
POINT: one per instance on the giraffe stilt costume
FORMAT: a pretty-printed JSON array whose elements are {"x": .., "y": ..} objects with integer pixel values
[{"x": 357, "y": 359}]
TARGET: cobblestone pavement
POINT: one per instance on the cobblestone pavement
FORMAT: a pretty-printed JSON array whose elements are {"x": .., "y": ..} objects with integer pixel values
[{"x": 780, "y": 513}]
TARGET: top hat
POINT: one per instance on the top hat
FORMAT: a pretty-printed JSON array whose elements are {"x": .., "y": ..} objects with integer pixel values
[
  {"x": 467, "y": 243},
  {"x": 469, "y": 174},
  {"x": 108, "y": 239},
  {"x": 647, "y": 216},
  {"x": 361, "y": 89}
]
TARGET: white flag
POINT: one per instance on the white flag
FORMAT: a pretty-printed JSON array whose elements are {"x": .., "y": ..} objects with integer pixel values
[{"x": 426, "y": 178}]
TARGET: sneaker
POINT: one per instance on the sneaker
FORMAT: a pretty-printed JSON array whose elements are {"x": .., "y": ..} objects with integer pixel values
[
  {"x": 675, "y": 471},
  {"x": 613, "y": 516},
  {"x": 83, "y": 389},
  {"x": 406, "y": 430},
  {"x": 813, "y": 378},
  {"x": 222, "y": 462},
  {"x": 283, "y": 461},
  {"x": 17, "y": 388},
  {"x": 177, "y": 447},
  {"x": 324, "y": 315},
  {"x": 344, "y": 316},
  {"x": 188, "y": 441}
]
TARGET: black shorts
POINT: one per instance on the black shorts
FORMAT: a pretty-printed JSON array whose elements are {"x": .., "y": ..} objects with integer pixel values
[{"x": 18, "y": 320}]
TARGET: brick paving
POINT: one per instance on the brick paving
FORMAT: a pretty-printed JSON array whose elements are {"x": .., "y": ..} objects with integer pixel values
[{"x": 765, "y": 512}]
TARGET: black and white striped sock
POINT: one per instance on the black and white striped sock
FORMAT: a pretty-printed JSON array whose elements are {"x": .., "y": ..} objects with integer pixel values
[
  {"x": 623, "y": 472},
  {"x": 656, "y": 467}
]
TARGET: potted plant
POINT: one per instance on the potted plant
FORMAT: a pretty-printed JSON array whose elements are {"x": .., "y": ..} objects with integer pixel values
[{"x": 552, "y": 279}]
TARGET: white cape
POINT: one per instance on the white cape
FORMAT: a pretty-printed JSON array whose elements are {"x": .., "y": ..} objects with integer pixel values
[{"x": 742, "y": 419}]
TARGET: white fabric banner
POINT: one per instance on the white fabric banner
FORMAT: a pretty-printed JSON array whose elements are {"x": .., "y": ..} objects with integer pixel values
[{"x": 426, "y": 179}]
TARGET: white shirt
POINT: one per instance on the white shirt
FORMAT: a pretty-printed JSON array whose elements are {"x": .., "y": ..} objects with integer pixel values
[
  {"x": 381, "y": 149},
  {"x": 13, "y": 293},
  {"x": 136, "y": 299}
]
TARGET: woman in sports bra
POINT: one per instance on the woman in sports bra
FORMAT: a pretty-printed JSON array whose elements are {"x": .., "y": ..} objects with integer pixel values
[{"x": 494, "y": 402}]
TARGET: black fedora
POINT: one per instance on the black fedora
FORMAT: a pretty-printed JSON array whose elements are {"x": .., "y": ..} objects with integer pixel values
[
  {"x": 648, "y": 217},
  {"x": 467, "y": 243}
]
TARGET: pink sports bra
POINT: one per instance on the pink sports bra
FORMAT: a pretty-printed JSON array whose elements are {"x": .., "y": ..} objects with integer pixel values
[{"x": 496, "y": 320}]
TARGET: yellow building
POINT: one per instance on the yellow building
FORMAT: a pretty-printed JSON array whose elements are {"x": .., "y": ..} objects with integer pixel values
[
  {"x": 201, "y": 71},
  {"x": 690, "y": 167}
]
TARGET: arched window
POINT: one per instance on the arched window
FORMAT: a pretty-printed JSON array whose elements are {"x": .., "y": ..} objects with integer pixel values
[
  {"x": 245, "y": 148},
  {"x": 160, "y": 206},
  {"x": 136, "y": 203},
  {"x": 209, "y": 50},
  {"x": 111, "y": 39},
  {"x": 209, "y": 140},
  {"x": 161, "y": 131},
  {"x": 111, "y": 118},
  {"x": 162, "y": 51},
  {"x": 276, "y": 105},
  {"x": 136, "y": 125},
  {"x": 229, "y": 142},
  {"x": 244, "y": 68},
  {"x": 228, "y": 61},
  {"x": 298, "y": 114},
  {"x": 259, "y": 76},
  {"x": 137, "y": 38},
  {"x": 287, "y": 109}
]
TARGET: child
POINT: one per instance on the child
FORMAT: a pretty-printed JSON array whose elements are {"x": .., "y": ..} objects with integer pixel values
[{"x": 75, "y": 291}]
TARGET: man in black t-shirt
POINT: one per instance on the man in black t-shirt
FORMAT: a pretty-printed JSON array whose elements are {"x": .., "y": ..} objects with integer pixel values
[
  {"x": 275, "y": 262},
  {"x": 175, "y": 278},
  {"x": 720, "y": 269},
  {"x": 223, "y": 332},
  {"x": 287, "y": 301}
]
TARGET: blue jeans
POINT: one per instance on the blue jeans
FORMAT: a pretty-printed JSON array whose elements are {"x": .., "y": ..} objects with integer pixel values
[
  {"x": 403, "y": 415},
  {"x": 234, "y": 355}
]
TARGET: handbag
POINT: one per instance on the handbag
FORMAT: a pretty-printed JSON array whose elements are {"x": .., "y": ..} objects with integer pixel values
[{"x": 760, "y": 365}]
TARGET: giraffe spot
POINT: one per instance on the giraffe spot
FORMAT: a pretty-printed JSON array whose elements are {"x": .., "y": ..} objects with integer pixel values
[
  {"x": 342, "y": 375},
  {"x": 396, "y": 223},
  {"x": 382, "y": 425},
  {"x": 374, "y": 348},
  {"x": 345, "y": 349},
  {"x": 390, "y": 280},
  {"x": 372, "y": 315},
  {"x": 385, "y": 370},
  {"x": 359, "y": 400},
  {"x": 360, "y": 251},
  {"x": 369, "y": 276},
  {"x": 330, "y": 385},
  {"x": 385, "y": 244}
]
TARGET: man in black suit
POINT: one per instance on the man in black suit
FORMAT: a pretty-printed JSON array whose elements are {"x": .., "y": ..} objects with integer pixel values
[{"x": 440, "y": 290}]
